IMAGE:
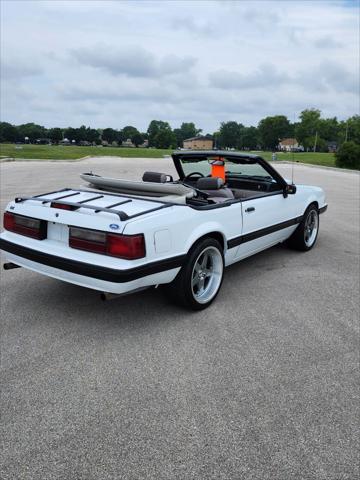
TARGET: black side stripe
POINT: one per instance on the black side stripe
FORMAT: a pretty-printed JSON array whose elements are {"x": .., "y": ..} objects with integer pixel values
[
  {"x": 90, "y": 270},
  {"x": 234, "y": 242}
]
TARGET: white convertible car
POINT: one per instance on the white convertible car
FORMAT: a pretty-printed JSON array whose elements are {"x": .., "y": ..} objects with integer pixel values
[{"x": 120, "y": 236}]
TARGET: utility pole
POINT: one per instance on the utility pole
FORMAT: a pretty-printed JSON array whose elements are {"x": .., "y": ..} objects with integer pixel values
[
  {"x": 316, "y": 137},
  {"x": 346, "y": 131}
]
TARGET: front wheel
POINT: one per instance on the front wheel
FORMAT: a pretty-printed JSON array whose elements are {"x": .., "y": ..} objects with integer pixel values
[
  {"x": 200, "y": 278},
  {"x": 305, "y": 235}
]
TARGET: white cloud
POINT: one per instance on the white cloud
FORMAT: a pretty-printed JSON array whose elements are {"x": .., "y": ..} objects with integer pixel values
[
  {"x": 132, "y": 61},
  {"x": 328, "y": 42},
  {"x": 266, "y": 76},
  {"x": 106, "y": 63},
  {"x": 18, "y": 69},
  {"x": 328, "y": 75}
]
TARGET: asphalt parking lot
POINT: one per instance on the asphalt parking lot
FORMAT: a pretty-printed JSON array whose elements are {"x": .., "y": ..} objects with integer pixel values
[{"x": 263, "y": 385}]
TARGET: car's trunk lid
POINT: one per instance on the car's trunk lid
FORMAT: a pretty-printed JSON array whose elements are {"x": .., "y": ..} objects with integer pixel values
[{"x": 111, "y": 211}]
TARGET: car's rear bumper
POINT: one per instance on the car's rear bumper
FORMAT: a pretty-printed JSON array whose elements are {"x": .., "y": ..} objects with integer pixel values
[{"x": 90, "y": 275}]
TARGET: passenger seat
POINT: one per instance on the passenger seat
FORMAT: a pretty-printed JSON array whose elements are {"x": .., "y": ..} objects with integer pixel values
[{"x": 214, "y": 187}]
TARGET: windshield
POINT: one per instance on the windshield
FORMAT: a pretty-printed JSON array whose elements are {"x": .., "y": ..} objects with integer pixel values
[{"x": 237, "y": 170}]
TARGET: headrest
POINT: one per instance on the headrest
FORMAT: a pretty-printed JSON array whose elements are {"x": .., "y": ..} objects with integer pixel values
[
  {"x": 210, "y": 183},
  {"x": 154, "y": 177}
]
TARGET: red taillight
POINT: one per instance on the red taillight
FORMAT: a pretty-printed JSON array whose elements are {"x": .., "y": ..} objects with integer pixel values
[
  {"x": 30, "y": 227},
  {"x": 9, "y": 221},
  {"x": 63, "y": 206},
  {"x": 129, "y": 247},
  {"x": 90, "y": 240}
]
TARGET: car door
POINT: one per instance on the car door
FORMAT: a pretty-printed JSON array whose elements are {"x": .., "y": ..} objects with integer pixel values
[{"x": 267, "y": 220}]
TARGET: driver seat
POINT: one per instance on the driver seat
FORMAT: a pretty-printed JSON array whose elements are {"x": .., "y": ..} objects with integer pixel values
[{"x": 214, "y": 187}]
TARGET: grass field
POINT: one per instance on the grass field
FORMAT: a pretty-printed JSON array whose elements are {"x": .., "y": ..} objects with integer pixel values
[{"x": 54, "y": 152}]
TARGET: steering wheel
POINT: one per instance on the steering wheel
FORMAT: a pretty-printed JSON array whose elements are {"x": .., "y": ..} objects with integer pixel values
[{"x": 199, "y": 174}]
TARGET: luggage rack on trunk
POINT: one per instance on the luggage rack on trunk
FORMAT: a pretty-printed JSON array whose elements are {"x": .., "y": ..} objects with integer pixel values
[{"x": 82, "y": 204}]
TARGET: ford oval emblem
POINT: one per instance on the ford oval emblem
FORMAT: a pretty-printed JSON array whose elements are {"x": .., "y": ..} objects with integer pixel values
[{"x": 114, "y": 226}]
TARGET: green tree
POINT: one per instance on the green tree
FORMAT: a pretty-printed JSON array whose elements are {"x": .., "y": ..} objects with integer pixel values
[
  {"x": 165, "y": 138},
  {"x": 129, "y": 132},
  {"x": 249, "y": 138},
  {"x": 230, "y": 134},
  {"x": 82, "y": 133},
  {"x": 32, "y": 131},
  {"x": 110, "y": 135},
  {"x": 348, "y": 156},
  {"x": 72, "y": 134},
  {"x": 155, "y": 127},
  {"x": 55, "y": 134},
  {"x": 272, "y": 130},
  {"x": 329, "y": 129},
  {"x": 187, "y": 130},
  {"x": 307, "y": 127},
  {"x": 137, "y": 139},
  {"x": 317, "y": 144},
  {"x": 8, "y": 133},
  {"x": 350, "y": 130},
  {"x": 92, "y": 135}
]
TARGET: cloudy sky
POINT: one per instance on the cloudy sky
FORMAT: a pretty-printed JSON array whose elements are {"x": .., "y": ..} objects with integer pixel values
[{"x": 115, "y": 63}]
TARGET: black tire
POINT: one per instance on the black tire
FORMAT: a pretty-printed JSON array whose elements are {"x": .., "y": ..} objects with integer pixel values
[
  {"x": 297, "y": 241},
  {"x": 181, "y": 289}
]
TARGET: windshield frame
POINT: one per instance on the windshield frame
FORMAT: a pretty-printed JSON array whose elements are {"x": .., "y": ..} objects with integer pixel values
[{"x": 235, "y": 157}]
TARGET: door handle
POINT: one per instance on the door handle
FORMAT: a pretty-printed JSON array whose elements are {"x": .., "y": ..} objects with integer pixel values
[{"x": 250, "y": 209}]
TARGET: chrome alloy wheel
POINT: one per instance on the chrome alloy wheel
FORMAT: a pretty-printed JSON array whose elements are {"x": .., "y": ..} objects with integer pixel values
[
  {"x": 207, "y": 275},
  {"x": 311, "y": 227}
]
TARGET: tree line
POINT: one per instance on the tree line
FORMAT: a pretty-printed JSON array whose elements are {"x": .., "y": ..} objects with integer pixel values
[
  {"x": 311, "y": 131},
  {"x": 159, "y": 134}
]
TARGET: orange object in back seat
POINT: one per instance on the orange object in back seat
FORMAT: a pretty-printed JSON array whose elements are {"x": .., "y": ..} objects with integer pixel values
[{"x": 218, "y": 171}]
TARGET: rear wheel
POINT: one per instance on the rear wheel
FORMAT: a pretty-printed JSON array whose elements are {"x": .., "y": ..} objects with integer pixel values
[
  {"x": 200, "y": 279},
  {"x": 304, "y": 237}
]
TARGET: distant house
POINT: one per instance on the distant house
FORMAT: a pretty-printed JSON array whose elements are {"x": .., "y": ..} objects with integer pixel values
[
  {"x": 290, "y": 145},
  {"x": 127, "y": 143},
  {"x": 198, "y": 143},
  {"x": 105, "y": 143},
  {"x": 65, "y": 141}
]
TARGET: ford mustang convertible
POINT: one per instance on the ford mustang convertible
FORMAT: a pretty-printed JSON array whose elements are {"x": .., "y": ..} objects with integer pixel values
[{"x": 120, "y": 236}]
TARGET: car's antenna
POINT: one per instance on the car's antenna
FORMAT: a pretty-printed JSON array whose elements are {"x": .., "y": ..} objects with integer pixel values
[{"x": 293, "y": 160}]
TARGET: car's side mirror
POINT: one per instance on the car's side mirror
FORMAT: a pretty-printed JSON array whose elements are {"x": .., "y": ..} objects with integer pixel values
[{"x": 290, "y": 189}]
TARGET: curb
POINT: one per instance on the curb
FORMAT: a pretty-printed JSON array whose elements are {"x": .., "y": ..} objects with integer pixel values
[
  {"x": 61, "y": 160},
  {"x": 7, "y": 159}
]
